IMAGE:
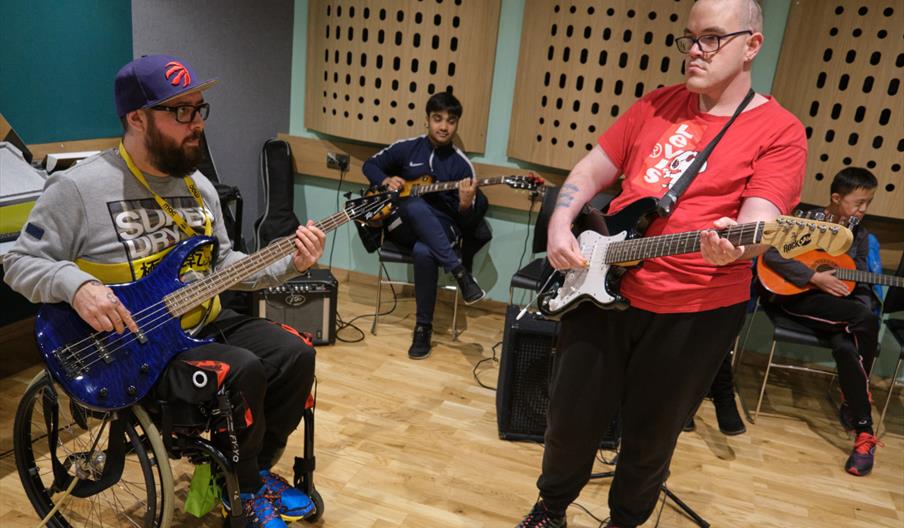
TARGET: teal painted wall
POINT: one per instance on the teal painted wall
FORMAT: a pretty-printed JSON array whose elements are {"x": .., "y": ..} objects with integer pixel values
[{"x": 57, "y": 64}]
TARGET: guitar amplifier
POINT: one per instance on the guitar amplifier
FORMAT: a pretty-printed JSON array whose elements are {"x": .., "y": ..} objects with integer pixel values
[
  {"x": 306, "y": 303},
  {"x": 526, "y": 369}
]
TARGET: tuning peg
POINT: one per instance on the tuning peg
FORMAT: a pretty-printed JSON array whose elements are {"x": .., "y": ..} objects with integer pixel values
[
  {"x": 853, "y": 222},
  {"x": 820, "y": 216},
  {"x": 830, "y": 218},
  {"x": 799, "y": 213}
]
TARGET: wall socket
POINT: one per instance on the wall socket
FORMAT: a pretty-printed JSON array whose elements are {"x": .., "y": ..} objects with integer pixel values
[{"x": 337, "y": 160}]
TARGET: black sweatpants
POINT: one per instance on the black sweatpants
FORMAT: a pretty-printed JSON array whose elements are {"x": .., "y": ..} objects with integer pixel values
[
  {"x": 272, "y": 369},
  {"x": 853, "y": 330},
  {"x": 652, "y": 368}
]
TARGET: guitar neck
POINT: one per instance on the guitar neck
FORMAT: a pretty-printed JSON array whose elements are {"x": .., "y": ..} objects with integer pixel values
[
  {"x": 679, "y": 243},
  {"x": 185, "y": 299},
  {"x": 452, "y": 185},
  {"x": 869, "y": 278}
]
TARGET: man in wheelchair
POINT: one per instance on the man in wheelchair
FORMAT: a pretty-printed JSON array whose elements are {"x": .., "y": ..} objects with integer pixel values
[{"x": 112, "y": 218}]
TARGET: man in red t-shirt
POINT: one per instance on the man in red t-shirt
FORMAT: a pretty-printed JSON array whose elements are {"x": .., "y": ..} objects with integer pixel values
[{"x": 654, "y": 362}]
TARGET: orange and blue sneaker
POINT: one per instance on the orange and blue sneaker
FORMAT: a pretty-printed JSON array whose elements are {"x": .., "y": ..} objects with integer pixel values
[
  {"x": 259, "y": 511},
  {"x": 291, "y": 502},
  {"x": 860, "y": 463}
]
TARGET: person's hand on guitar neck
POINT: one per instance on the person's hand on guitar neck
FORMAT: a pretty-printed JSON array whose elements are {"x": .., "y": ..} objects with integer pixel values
[
  {"x": 98, "y": 306},
  {"x": 829, "y": 283},
  {"x": 467, "y": 191},
  {"x": 309, "y": 241},
  {"x": 393, "y": 183},
  {"x": 717, "y": 250}
]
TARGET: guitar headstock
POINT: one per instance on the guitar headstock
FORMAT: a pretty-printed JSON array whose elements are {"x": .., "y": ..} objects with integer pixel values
[
  {"x": 793, "y": 236},
  {"x": 530, "y": 182},
  {"x": 365, "y": 208}
]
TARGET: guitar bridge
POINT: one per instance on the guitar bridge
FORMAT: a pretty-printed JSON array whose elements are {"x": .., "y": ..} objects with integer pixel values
[
  {"x": 102, "y": 351},
  {"x": 72, "y": 364}
]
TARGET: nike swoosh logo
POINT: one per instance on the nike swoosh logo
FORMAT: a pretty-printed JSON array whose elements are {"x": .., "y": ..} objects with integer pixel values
[{"x": 413, "y": 164}]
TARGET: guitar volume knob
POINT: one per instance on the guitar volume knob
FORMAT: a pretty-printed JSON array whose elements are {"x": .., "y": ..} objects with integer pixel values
[
  {"x": 132, "y": 390},
  {"x": 103, "y": 392}
]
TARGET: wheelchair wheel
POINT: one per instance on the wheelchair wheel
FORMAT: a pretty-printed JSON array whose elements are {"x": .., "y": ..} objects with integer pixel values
[
  {"x": 318, "y": 507},
  {"x": 113, "y": 462}
]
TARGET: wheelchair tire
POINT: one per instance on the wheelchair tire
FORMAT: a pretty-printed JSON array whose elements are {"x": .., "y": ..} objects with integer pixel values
[
  {"x": 318, "y": 507},
  {"x": 141, "y": 496}
]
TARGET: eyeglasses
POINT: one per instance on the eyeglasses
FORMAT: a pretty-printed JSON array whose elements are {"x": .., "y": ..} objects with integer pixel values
[
  {"x": 706, "y": 43},
  {"x": 186, "y": 113}
]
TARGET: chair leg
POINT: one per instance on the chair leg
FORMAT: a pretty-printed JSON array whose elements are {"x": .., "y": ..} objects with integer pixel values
[
  {"x": 891, "y": 391},
  {"x": 759, "y": 401},
  {"x": 373, "y": 327},
  {"x": 455, "y": 332}
]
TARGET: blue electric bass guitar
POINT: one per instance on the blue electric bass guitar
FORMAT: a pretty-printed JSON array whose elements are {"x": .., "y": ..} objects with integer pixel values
[
  {"x": 613, "y": 243},
  {"x": 106, "y": 370}
]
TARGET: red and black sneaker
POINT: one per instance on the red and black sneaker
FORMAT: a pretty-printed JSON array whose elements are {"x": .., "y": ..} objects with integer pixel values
[
  {"x": 540, "y": 517},
  {"x": 860, "y": 463}
]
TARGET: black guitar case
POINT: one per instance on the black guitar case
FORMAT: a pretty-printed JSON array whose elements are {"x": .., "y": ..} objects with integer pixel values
[{"x": 277, "y": 180}]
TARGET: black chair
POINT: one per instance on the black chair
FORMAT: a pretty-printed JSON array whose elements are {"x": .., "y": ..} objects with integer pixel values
[
  {"x": 534, "y": 274},
  {"x": 894, "y": 302},
  {"x": 388, "y": 252},
  {"x": 787, "y": 330}
]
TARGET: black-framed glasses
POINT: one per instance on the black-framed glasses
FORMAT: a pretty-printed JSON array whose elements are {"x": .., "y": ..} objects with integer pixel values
[
  {"x": 706, "y": 43},
  {"x": 186, "y": 113}
]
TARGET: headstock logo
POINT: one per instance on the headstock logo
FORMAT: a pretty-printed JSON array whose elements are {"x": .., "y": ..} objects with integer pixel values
[{"x": 801, "y": 241}]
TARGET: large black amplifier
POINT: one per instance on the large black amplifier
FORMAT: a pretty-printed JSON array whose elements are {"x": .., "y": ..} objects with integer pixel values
[{"x": 306, "y": 303}]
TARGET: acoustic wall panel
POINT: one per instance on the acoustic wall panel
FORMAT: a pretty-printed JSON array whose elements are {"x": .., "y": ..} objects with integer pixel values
[
  {"x": 840, "y": 72},
  {"x": 582, "y": 64},
  {"x": 372, "y": 65}
]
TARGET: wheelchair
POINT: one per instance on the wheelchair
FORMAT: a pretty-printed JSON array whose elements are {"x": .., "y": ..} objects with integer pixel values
[{"x": 81, "y": 467}]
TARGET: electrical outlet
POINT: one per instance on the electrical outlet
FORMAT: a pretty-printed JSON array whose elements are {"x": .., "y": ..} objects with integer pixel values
[{"x": 336, "y": 160}]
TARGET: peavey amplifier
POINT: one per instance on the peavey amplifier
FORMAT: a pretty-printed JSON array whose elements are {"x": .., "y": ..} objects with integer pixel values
[{"x": 306, "y": 303}]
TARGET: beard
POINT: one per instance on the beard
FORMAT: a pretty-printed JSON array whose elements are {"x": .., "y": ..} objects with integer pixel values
[{"x": 169, "y": 157}]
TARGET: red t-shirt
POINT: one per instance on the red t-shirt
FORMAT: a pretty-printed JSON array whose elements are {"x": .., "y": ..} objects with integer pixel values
[{"x": 762, "y": 154}]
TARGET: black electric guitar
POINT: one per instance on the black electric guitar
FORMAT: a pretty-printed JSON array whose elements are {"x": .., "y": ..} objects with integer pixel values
[
  {"x": 609, "y": 255},
  {"x": 425, "y": 185},
  {"x": 106, "y": 370}
]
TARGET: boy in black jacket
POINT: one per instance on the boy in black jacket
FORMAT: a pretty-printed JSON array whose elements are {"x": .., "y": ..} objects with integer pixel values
[
  {"x": 431, "y": 225},
  {"x": 850, "y": 320}
]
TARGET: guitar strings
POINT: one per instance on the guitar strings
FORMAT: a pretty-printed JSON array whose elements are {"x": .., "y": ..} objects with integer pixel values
[
  {"x": 160, "y": 311},
  {"x": 636, "y": 248}
]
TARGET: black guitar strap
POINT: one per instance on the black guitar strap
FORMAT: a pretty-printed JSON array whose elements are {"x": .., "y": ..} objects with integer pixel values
[{"x": 667, "y": 202}]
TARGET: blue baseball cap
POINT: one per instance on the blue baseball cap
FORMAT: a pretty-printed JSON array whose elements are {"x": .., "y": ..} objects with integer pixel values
[{"x": 152, "y": 80}]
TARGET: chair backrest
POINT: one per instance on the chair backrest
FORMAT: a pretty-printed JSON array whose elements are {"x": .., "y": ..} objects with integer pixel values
[
  {"x": 600, "y": 201},
  {"x": 894, "y": 299}
]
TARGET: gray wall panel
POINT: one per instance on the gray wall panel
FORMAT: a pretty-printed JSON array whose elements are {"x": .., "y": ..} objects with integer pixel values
[{"x": 248, "y": 47}]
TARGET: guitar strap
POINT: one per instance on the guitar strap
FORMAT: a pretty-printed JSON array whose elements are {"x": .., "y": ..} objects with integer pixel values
[
  {"x": 667, "y": 202},
  {"x": 169, "y": 209}
]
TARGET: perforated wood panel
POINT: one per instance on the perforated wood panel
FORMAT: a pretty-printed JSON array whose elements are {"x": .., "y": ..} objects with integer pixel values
[
  {"x": 582, "y": 63},
  {"x": 840, "y": 72},
  {"x": 372, "y": 65}
]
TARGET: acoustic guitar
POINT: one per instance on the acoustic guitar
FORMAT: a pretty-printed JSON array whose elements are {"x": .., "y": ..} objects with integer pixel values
[{"x": 844, "y": 267}]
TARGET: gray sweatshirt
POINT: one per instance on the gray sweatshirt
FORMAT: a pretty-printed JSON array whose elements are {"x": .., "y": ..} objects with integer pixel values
[{"x": 96, "y": 221}]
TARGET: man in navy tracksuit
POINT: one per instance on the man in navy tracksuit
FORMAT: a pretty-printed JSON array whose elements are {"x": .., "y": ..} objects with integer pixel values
[{"x": 429, "y": 225}]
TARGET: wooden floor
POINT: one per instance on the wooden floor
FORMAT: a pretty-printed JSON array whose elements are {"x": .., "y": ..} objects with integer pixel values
[{"x": 414, "y": 444}]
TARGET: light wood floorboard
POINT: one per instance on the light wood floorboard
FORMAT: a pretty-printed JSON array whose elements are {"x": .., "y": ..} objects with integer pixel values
[{"x": 404, "y": 443}]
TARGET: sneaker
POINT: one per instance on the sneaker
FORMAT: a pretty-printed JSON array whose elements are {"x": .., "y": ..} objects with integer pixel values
[
  {"x": 471, "y": 292},
  {"x": 259, "y": 511},
  {"x": 291, "y": 502},
  {"x": 689, "y": 425},
  {"x": 730, "y": 422},
  {"x": 860, "y": 463},
  {"x": 540, "y": 517},
  {"x": 420, "y": 344}
]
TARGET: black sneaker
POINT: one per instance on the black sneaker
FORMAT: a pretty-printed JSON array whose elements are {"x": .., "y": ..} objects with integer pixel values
[
  {"x": 540, "y": 517},
  {"x": 730, "y": 422},
  {"x": 471, "y": 292},
  {"x": 420, "y": 344}
]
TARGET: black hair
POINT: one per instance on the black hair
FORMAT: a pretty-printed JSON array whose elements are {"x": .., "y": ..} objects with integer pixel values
[
  {"x": 849, "y": 179},
  {"x": 444, "y": 102}
]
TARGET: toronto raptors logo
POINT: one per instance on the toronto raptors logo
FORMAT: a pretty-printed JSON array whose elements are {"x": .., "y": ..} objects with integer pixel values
[{"x": 177, "y": 74}]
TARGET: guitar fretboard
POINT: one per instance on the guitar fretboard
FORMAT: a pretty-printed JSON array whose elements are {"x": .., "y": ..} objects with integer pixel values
[
  {"x": 452, "y": 185},
  {"x": 679, "y": 243},
  {"x": 190, "y": 296},
  {"x": 869, "y": 278}
]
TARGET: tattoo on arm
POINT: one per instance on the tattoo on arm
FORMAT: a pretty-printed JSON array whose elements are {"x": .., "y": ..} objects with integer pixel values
[{"x": 566, "y": 195}]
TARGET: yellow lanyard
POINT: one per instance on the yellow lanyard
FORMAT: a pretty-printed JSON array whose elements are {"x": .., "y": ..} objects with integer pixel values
[{"x": 169, "y": 209}]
